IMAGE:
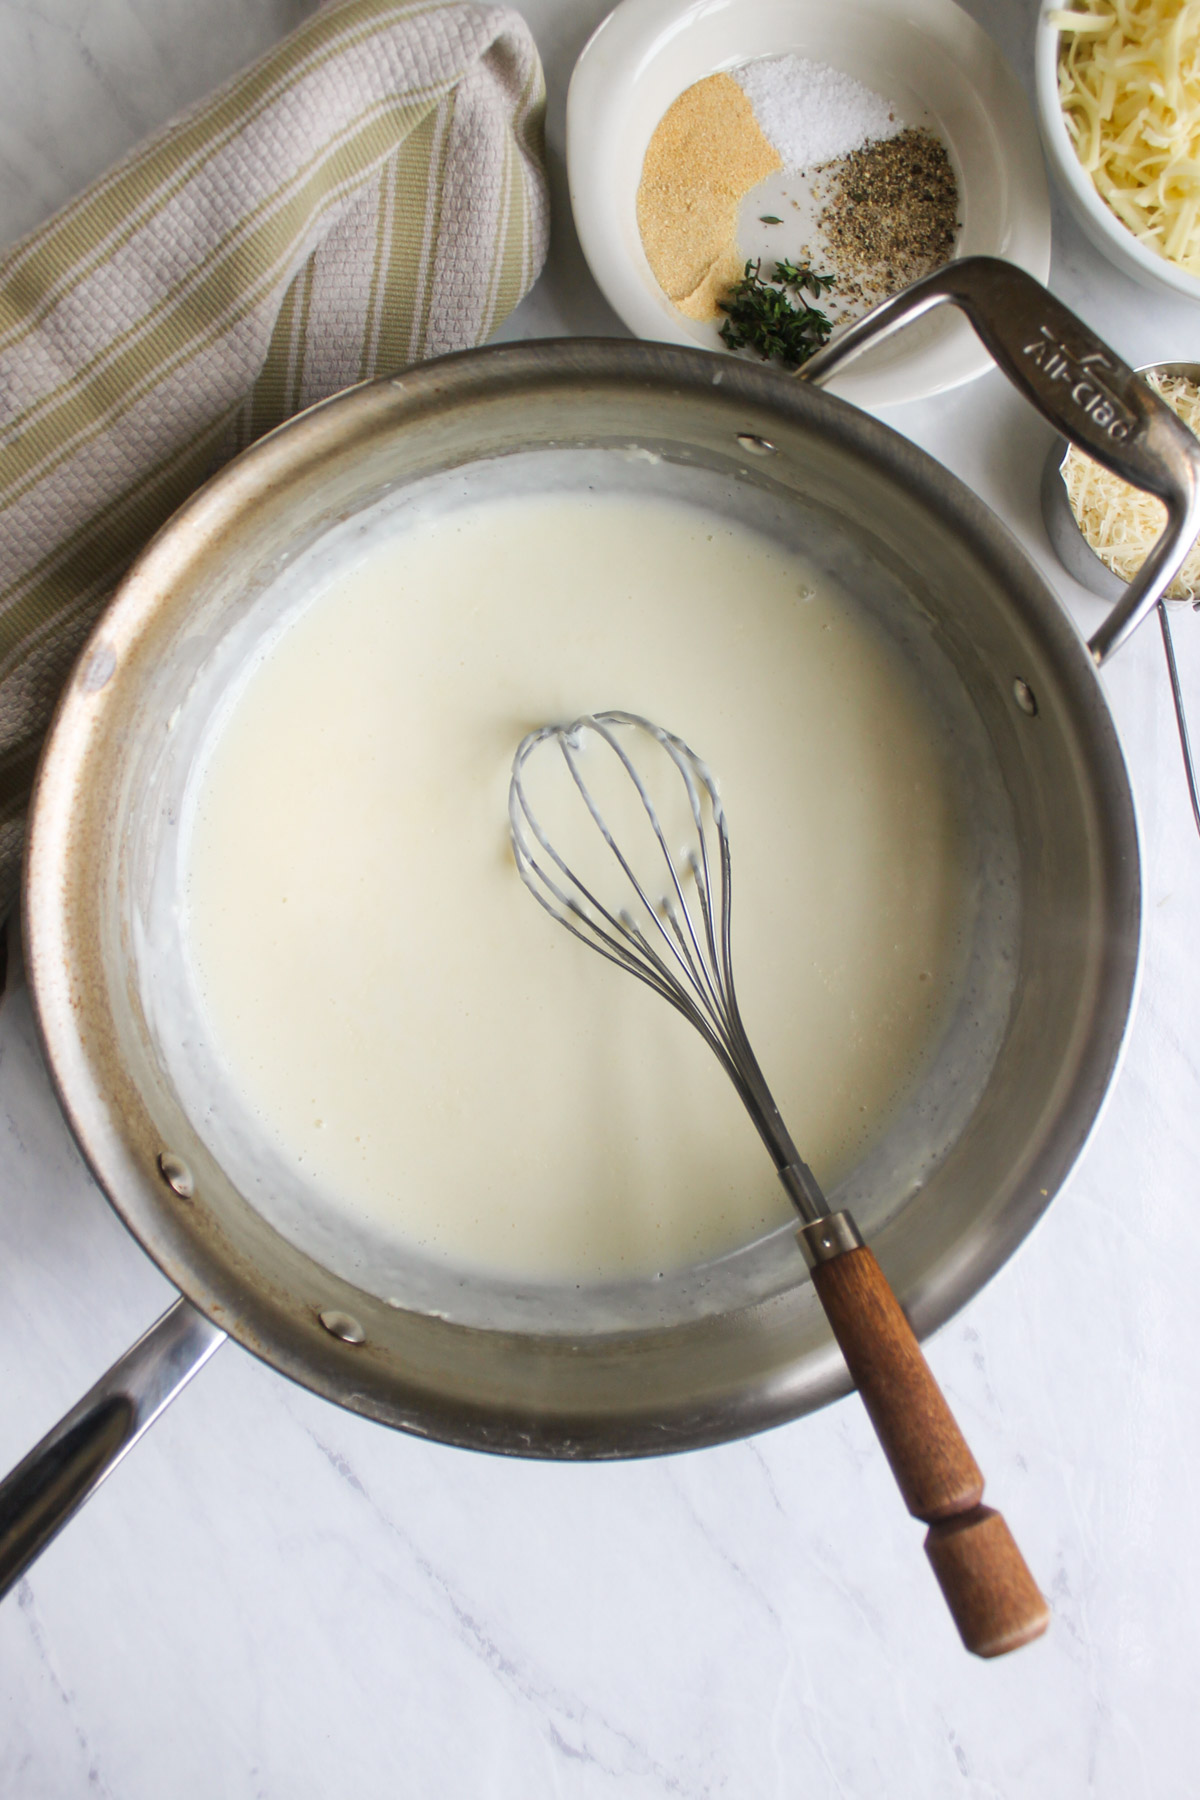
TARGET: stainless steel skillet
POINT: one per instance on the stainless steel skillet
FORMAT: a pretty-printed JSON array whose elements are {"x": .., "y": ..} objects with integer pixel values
[{"x": 964, "y": 1172}]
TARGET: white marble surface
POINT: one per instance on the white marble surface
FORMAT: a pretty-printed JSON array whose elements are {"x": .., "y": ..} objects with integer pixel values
[{"x": 272, "y": 1598}]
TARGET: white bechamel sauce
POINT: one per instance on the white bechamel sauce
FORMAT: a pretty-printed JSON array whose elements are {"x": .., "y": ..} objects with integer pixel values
[{"x": 432, "y": 1051}]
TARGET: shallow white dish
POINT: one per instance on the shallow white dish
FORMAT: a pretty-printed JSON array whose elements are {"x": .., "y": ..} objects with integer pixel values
[
  {"x": 1100, "y": 223},
  {"x": 926, "y": 55}
]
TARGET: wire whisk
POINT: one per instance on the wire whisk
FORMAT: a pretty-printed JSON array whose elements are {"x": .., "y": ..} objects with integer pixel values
[
  {"x": 637, "y": 866},
  {"x": 672, "y": 929}
]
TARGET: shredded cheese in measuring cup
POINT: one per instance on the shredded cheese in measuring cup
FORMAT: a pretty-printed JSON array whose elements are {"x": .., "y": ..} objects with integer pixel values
[{"x": 1121, "y": 523}]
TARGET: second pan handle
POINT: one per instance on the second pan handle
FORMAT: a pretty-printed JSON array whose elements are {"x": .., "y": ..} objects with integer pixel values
[
  {"x": 1097, "y": 401},
  {"x": 66, "y": 1468}
]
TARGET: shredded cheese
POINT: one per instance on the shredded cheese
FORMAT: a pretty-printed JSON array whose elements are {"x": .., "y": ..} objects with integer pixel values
[
  {"x": 1129, "y": 86},
  {"x": 1121, "y": 522}
]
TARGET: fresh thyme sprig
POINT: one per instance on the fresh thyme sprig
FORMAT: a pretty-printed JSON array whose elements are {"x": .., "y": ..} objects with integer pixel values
[{"x": 762, "y": 318}]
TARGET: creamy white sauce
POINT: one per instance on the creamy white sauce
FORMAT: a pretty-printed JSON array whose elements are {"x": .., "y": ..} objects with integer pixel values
[{"x": 418, "y": 1038}]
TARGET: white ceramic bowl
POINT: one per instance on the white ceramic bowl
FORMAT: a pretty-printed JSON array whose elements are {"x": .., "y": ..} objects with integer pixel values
[
  {"x": 926, "y": 55},
  {"x": 1100, "y": 223}
]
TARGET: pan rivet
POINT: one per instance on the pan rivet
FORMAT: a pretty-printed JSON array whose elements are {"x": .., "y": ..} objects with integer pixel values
[
  {"x": 755, "y": 445},
  {"x": 1025, "y": 697},
  {"x": 176, "y": 1174},
  {"x": 341, "y": 1325}
]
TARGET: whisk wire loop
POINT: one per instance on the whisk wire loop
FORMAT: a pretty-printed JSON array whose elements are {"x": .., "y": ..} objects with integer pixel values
[
  {"x": 619, "y": 929},
  {"x": 686, "y": 955},
  {"x": 686, "y": 948}
]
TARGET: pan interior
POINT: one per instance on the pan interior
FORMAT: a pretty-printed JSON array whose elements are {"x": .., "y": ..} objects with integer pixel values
[{"x": 207, "y": 669}]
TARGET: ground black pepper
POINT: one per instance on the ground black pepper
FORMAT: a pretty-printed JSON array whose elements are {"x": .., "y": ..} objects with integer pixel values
[{"x": 889, "y": 213}]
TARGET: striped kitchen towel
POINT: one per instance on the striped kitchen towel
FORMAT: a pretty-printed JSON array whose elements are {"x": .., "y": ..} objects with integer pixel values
[{"x": 369, "y": 194}]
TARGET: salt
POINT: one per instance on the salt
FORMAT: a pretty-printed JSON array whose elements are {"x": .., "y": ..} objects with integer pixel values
[{"x": 812, "y": 113}]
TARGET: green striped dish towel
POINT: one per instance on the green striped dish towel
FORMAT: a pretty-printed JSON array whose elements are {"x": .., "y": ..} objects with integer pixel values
[{"x": 369, "y": 194}]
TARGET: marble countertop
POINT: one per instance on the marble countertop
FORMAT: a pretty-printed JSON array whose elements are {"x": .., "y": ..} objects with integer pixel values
[{"x": 273, "y": 1599}]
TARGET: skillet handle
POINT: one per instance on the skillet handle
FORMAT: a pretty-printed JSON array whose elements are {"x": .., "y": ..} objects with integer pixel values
[
  {"x": 66, "y": 1468},
  {"x": 1079, "y": 384},
  {"x": 992, "y": 1596}
]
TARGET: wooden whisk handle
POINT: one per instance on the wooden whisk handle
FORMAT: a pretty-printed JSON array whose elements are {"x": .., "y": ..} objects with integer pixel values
[{"x": 993, "y": 1598}]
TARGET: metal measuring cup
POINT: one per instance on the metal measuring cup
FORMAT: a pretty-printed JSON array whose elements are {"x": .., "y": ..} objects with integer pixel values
[{"x": 1091, "y": 571}]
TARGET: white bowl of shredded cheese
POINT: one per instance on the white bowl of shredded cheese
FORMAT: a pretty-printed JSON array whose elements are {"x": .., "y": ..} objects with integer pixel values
[
  {"x": 925, "y": 58},
  {"x": 1120, "y": 116}
]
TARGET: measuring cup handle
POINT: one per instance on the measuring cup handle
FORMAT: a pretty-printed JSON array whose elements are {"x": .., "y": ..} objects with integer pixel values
[{"x": 1088, "y": 394}]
